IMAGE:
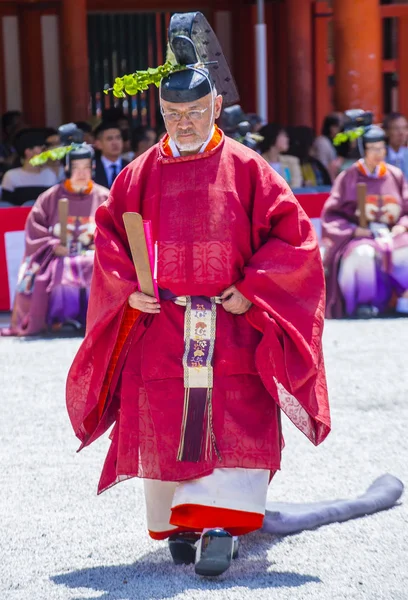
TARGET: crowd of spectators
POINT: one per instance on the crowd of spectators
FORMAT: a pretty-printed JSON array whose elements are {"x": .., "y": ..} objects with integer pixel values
[
  {"x": 114, "y": 140},
  {"x": 303, "y": 159}
]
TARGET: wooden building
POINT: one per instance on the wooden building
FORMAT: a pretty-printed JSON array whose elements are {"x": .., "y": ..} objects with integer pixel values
[{"x": 57, "y": 55}]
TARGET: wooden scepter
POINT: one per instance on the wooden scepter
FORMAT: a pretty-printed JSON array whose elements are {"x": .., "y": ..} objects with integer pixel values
[
  {"x": 138, "y": 248},
  {"x": 361, "y": 204},
  {"x": 63, "y": 206}
]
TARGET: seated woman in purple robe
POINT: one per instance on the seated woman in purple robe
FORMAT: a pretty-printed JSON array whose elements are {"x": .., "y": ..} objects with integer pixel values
[
  {"x": 54, "y": 278},
  {"x": 367, "y": 267}
]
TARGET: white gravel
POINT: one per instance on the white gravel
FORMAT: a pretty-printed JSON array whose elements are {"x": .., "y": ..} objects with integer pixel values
[{"x": 59, "y": 541}]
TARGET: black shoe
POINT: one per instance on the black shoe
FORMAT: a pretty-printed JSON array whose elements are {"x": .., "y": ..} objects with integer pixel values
[
  {"x": 235, "y": 548},
  {"x": 214, "y": 553},
  {"x": 183, "y": 548}
]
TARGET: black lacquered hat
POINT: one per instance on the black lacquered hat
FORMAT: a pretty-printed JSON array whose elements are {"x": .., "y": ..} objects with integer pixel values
[{"x": 195, "y": 46}]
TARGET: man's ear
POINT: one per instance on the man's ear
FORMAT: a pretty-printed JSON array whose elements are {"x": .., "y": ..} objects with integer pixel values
[
  {"x": 98, "y": 144},
  {"x": 218, "y": 106}
]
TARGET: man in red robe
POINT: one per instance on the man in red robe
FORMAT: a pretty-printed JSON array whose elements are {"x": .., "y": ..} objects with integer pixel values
[{"x": 195, "y": 379}]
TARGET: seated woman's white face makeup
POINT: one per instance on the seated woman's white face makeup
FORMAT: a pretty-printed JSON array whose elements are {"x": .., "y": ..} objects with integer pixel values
[
  {"x": 81, "y": 173},
  {"x": 375, "y": 153}
]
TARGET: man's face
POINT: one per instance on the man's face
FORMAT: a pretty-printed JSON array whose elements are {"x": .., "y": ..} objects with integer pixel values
[
  {"x": 398, "y": 132},
  {"x": 375, "y": 153},
  {"x": 31, "y": 152},
  {"x": 189, "y": 123},
  {"x": 81, "y": 172},
  {"x": 110, "y": 143},
  {"x": 150, "y": 140}
]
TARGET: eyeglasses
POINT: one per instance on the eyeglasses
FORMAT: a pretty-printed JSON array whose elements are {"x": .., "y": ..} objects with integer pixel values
[{"x": 191, "y": 115}]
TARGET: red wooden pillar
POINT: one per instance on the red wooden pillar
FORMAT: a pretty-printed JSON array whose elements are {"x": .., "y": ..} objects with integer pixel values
[
  {"x": 243, "y": 23},
  {"x": 358, "y": 55},
  {"x": 280, "y": 60},
  {"x": 31, "y": 60},
  {"x": 322, "y": 98},
  {"x": 3, "y": 104},
  {"x": 75, "y": 72},
  {"x": 273, "y": 89},
  {"x": 300, "y": 69},
  {"x": 403, "y": 64}
]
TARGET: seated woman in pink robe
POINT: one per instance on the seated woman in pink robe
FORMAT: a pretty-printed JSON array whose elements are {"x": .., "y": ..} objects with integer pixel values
[
  {"x": 367, "y": 267},
  {"x": 54, "y": 279}
]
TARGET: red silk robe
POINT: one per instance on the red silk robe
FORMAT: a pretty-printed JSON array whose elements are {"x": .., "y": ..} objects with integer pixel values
[{"x": 220, "y": 217}]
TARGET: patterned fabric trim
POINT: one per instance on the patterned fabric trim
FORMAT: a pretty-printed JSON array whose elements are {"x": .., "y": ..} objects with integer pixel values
[
  {"x": 199, "y": 339},
  {"x": 213, "y": 143},
  {"x": 380, "y": 171},
  {"x": 129, "y": 318},
  {"x": 68, "y": 186}
]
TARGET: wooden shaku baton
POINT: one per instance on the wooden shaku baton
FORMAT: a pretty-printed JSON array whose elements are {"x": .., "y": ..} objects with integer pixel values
[
  {"x": 138, "y": 248},
  {"x": 361, "y": 204},
  {"x": 63, "y": 208}
]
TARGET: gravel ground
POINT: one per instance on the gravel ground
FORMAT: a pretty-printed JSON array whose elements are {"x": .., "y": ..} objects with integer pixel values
[{"x": 59, "y": 541}]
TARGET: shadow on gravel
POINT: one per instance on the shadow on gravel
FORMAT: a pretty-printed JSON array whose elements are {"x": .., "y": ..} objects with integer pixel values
[{"x": 155, "y": 577}]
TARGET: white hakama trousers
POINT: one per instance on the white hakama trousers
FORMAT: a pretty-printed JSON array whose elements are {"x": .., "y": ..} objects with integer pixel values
[{"x": 233, "y": 499}]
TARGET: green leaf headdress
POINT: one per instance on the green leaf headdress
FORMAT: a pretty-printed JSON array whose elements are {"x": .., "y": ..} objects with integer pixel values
[
  {"x": 192, "y": 44},
  {"x": 72, "y": 140},
  {"x": 52, "y": 155},
  {"x": 141, "y": 80},
  {"x": 355, "y": 125}
]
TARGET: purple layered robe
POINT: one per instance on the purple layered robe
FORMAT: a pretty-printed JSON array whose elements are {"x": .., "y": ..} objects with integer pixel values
[
  {"x": 52, "y": 289},
  {"x": 387, "y": 202}
]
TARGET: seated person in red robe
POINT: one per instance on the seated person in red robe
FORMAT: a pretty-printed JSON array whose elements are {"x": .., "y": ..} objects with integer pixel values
[
  {"x": 367, "y": 266},
  {"x": 195, "y": 378},
  {"x": 54, "y": 278}
]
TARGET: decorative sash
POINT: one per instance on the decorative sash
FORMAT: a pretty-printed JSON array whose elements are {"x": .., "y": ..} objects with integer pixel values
[{"x": 197, "y": 440}]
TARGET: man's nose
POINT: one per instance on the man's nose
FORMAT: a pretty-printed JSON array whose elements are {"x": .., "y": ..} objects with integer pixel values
[{"x": 184, "y": 121}]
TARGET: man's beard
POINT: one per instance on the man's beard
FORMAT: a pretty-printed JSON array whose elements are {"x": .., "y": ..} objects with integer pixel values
[{"x": 188, "y": 146}]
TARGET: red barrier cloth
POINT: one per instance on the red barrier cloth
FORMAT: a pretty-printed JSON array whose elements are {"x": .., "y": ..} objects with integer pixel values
[
  {"x": 313, "y": 203},
  {"x": 11, "y": 219}
]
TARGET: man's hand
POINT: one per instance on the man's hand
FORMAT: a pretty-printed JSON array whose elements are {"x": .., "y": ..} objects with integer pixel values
[
  {"x": 363, "y": 232},
  {"x": 144, "y": 303},
  {"x": 398, "y": 230},
  {"x": 234, "y": 302},
  {"x": 61, "y": 250}
]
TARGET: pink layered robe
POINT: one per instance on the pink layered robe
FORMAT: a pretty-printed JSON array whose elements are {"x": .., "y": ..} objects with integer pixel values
[
  {"x": 340, "y": 220},
  {"x": 48, "y": 288}
]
